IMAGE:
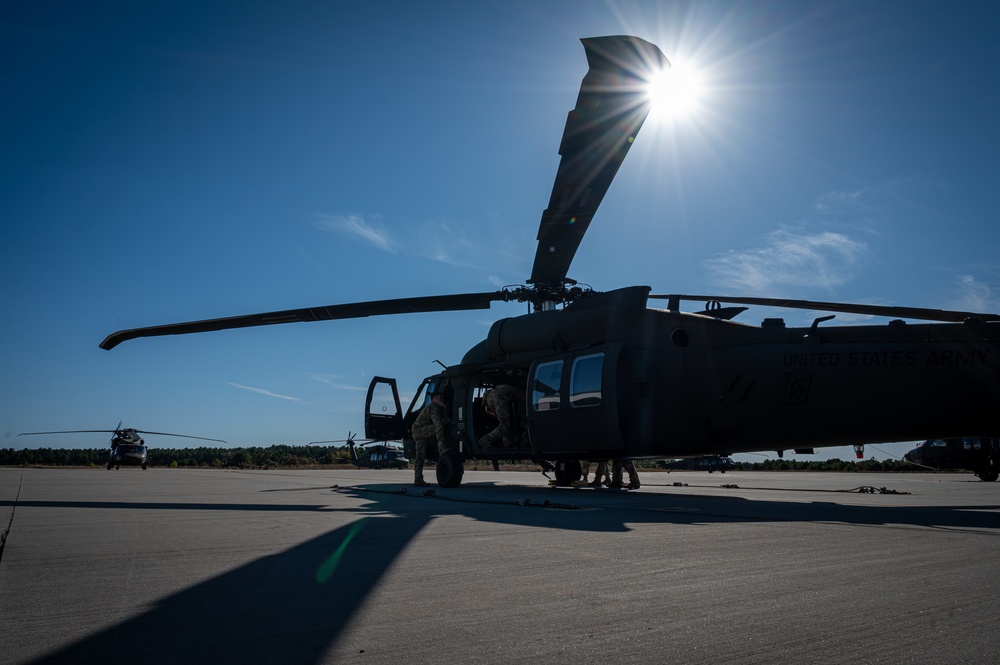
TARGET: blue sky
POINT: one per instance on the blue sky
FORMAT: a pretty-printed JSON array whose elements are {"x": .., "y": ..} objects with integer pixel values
[{"x": 166, "y": 162}]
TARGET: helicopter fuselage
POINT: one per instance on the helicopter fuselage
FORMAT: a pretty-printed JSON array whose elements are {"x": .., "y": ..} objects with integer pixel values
[
  {"x": 127, "y": 455},
  {"x": 607, "y": 377},
  {"x": 127, "y": 449}
]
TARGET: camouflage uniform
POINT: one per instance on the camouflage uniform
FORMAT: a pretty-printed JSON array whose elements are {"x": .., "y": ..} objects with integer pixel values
[
  {"x": 601, "y": 472},
  {"x": 601, "y": 476},
  {"x": 628, "y": 466},
  {"x": 428, "y": 426},
  {"x": 502, "y": 403}
]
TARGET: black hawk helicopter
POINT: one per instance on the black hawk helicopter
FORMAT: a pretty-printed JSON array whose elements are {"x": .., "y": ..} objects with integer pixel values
[
  {"x": 979, "y": 455},
  {"x": 381, "y": 455},
  {"x": 601, "y": 375},
  {"x": 710, "y": 463},
  {"x": 127, "y": 447}
]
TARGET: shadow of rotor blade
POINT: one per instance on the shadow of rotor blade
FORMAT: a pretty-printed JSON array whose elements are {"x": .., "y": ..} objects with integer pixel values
[{"x": 284, "y": 608}]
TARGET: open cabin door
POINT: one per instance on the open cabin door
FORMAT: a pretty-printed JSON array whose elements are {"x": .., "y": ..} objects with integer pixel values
[{"x": 383, "y": 415}]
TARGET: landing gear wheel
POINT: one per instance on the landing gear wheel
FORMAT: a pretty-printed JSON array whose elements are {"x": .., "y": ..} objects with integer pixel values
[
  {"x": 450, "y": 470},
  {"x": 568, "y": 473},
  {"x": 989, "y": 475}
]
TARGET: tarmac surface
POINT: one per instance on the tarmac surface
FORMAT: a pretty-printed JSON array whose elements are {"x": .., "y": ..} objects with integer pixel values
[{"x": 341, "y": 566}]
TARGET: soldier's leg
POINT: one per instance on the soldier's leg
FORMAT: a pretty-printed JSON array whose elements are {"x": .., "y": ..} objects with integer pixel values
[
  {"x": 600, "y": 474},
  {"x": 585, "y": 469},
  {"x": 418, "y": 462},
  {"x": 633, "y": 475},
  {"x": 616, "y": 475},
  {"x": 490, "y": 439}
]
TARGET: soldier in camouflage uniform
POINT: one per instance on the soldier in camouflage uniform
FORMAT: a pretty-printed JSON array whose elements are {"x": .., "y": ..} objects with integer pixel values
[
  {"x": 601, "y": 476},
  {"x": 627, "y": 466},
  {"x": 429, "y": 426},
  {"x": 502, "y": 404}
]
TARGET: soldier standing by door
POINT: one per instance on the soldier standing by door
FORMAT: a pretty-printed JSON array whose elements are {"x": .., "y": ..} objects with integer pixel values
[{"x": 429, "y": 426}]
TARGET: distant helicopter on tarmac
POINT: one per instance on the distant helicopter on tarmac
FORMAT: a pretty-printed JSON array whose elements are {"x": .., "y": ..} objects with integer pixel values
[
  {"x": 382, "y": 455},
  {"x": 971, "y": 453},
  {"x": 600, "y": 375},
  {"x": 127, "y": 447},
  {"x": 710, "y": 463}
]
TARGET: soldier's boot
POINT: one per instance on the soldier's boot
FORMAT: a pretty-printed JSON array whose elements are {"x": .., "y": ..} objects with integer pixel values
[
  {"x": 633, "y": 483},
  {"x": 420, "y": 482},
  {"x": 616, "y": 478}
]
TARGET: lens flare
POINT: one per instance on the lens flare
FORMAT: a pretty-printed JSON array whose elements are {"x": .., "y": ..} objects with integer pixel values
[{"x": 676, "y": 92}]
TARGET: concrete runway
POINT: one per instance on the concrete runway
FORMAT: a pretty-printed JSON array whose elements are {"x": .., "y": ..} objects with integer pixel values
[{"x": 302, "y": 567}]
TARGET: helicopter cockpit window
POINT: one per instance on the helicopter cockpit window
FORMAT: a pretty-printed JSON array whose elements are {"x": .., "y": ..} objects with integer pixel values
[
  {"x": 545, "y": 387},
  {"x": 585, "y": 381}
]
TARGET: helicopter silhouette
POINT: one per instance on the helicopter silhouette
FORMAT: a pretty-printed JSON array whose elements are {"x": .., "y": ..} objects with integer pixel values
[
  {"x": 971, "y": 453},
  {"x": 601, "y": 375},
  {"x": 382, "y": 455},
  {"x": 127, "y": 447},
  {"x": 710, "y": 463}
]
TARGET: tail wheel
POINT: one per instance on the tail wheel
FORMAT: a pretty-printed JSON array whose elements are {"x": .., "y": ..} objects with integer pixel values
[
  {"x": 990, "y": 474},
  {"x": 450, "y": 469}
]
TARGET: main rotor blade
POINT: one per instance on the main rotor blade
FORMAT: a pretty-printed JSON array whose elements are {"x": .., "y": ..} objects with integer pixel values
[
  {"x": 115, "y": 431},
  {"x": 328, "y": 313},
  {"x": 611, "y": 107},
  {"x": 74, "y": 431},
  {"x": 847, "y": 308},
  {"x": 186, "y": 436}
]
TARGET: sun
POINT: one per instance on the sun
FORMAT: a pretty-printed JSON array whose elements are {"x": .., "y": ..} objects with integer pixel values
[{"x": 676, "y": 92}]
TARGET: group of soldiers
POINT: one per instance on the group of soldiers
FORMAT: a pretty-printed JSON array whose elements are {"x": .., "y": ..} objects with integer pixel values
[
  {"x": 615, "y": 478},
  {"x": 430, "y": 425},
  {"x": 500, "y": 403}
]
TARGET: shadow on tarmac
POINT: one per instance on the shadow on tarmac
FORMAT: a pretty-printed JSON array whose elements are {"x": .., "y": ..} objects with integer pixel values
[{"x": 291, "y": 607}]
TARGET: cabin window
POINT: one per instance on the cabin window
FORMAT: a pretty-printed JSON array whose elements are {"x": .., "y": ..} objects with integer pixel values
[
  {"x": 585, "y": 381},
  {"x": 545, "y": 388},
  {"x": 383, "y": 401}
]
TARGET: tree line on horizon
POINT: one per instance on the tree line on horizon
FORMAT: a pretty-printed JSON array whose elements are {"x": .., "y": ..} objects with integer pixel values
[{"x": 303, "y": 456}]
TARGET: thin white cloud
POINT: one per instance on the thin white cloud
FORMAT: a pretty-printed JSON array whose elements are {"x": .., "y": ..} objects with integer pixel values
[
  {"x": 838, "y": 202},
  {"x": 332, "y": 381},
  {"x": 790, "y": 259},
  {"x": 443, "y": 242},
  {"x": 974, "y": 296},
  {"x": 354, "y": 226},
  {"x": 266, "y": 393}
]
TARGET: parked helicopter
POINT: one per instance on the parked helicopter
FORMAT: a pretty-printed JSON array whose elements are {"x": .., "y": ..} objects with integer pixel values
[
  {"x": 601, "y": 375},
  {"x": 710, "y": 463},
  {"x": 382, "y": 455},
  {"x": 127, "y": 447},
  {"x": 972, "y": 453}
]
